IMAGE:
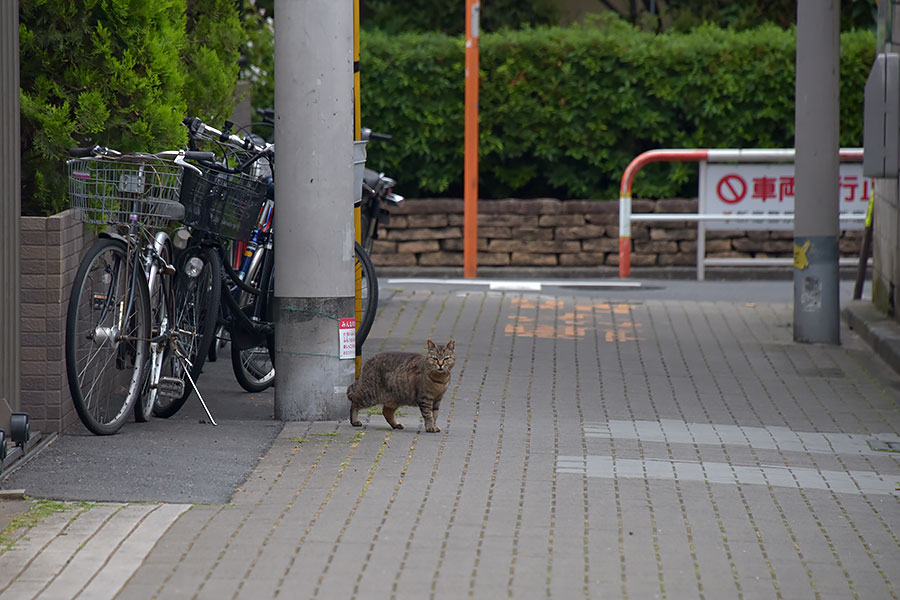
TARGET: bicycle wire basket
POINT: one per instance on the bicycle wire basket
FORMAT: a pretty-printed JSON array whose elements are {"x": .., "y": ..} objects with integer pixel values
[
  {"x": 134, "y": 188},
  {"x": 223, "y": 204}
]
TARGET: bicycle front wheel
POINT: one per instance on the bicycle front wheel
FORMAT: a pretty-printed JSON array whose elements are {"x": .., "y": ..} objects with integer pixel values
[
  {"x": 161, "y": 360},
  {"x": 198, "y": 285},
  {"x": 368, "y": 293},
  {"x": 107, "y": 333}
]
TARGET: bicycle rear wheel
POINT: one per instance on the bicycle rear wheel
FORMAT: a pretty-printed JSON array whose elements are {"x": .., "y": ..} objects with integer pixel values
[
  {"x": 368, "y": 293},
  {"x": 198, "y": 285},
  {"x": 107, "y": 331},
  {"x": 254, "y": 367}
]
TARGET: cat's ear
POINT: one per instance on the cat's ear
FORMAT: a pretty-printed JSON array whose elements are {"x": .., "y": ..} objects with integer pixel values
[
  {"x": 430, "y": 345},
  {"x": 451, "y": 345}
]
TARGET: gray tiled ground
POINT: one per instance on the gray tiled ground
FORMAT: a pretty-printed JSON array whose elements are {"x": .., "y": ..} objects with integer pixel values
[{"x": 588, "y": 449}]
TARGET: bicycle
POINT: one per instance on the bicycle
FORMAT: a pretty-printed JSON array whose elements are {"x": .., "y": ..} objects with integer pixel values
[
  {"x": 122, "y": 315},
  {"x": 376, "y": 190},
  {"x": 220, "y": 204},
  {"x": 248, "y": 287}
]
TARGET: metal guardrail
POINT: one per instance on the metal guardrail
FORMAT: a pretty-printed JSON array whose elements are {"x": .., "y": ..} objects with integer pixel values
[{"x": 704, "y": 156}]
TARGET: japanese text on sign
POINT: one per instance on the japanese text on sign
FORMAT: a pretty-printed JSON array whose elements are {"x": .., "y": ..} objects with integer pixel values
[
  {"x": 347, "y": 338},
  {"x": 769, "y": 189}
]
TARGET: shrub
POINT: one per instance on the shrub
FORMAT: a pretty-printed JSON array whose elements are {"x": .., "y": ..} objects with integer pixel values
[
  {"x": 564, "y": 110},
  {"x": 95, "y": 72},
  {"x": 117, "y": 73}
]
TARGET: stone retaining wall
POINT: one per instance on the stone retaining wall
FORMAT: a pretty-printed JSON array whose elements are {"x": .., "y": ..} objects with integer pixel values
[{"x": 572, "y": 233}]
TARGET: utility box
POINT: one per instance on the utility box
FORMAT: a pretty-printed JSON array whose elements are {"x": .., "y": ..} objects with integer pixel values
[{"x": 881, "y": 118}]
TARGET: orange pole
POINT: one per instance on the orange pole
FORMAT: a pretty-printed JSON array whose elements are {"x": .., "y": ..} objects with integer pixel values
[{"x": 470, "y": 164}]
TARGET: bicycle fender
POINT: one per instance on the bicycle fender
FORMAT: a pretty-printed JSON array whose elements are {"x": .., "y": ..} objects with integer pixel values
[{"x": 112, "y": 235}]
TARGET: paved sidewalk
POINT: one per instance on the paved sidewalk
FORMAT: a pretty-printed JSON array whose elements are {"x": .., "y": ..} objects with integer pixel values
[{"x": 592, "y": 449}]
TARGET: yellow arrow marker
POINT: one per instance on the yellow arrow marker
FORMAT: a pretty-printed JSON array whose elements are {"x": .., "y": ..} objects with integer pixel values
[{"x": 800, "y": 261}]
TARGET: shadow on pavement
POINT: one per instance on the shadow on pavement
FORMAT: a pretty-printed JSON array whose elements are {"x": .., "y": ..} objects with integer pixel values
[{"x": 182, "y": 459}]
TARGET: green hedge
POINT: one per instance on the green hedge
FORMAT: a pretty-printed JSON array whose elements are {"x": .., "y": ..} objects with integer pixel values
[{"x": 564, "y": 110}]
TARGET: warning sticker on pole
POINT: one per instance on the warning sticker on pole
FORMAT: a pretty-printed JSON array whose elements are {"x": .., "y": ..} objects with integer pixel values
[{"x": 347, "y": 338}]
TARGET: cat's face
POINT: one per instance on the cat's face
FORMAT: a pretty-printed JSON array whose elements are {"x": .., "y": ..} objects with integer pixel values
[{"x": 441, "y": 358}]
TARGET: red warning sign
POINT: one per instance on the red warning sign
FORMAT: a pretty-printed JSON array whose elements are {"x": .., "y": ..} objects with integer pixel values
[
  {"x": 731, "y": 188},
  {"x": 347, "y": 338}
]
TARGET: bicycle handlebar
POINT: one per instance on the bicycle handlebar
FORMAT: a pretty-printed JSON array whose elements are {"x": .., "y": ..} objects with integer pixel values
[
  {"x": 83, "y": 152},
  {"x": 110, "y": 153},
  {"x": 267, "y": 114},
  {"x": 198, "y": 128},
  {"x": 368, "y": 134}
]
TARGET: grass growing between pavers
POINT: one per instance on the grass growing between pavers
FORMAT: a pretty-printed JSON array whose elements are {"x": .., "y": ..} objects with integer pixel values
[
  {"x": 355, "y": 439},
  {"x": 35, "y": 515}
]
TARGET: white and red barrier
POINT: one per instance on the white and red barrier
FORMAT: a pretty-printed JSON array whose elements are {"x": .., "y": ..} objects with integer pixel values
[{"x": 740, "y": 205}]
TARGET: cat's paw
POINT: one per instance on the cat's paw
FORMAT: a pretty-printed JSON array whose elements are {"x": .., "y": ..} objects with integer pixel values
[
  {"x": 356, "y": 423},
  {"x": 434, "y": 429},
  {"x": 397, "y": 425}
]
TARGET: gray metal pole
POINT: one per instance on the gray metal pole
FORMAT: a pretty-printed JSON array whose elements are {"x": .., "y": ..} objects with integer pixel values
[
  {"x": 314, "y": 265},
  {"x": 10, "y": 209},
  {"x": 816, "y": 229}
]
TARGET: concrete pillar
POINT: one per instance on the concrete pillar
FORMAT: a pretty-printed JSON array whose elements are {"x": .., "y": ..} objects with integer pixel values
[
  {"x": 10, "y": 208},
  {"x": 314, "y": 266},
  {"x": 816, "y": 227}
]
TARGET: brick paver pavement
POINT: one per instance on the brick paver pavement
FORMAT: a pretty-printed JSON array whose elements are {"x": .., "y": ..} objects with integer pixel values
[{"x": 588, "y": 449}]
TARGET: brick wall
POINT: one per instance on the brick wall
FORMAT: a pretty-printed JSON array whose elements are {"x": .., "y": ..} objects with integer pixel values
[
  {"x": 50, "y": 252},
  {"x": 572, "y": 233}
]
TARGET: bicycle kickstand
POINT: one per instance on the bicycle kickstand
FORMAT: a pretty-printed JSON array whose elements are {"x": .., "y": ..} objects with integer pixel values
[{"x": 186, "y": 364}]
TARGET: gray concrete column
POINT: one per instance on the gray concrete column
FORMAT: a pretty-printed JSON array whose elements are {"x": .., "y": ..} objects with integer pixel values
[
  {"x": 10, "y": 209},
  {"x": 314, "y": 266},
  {"x": 816, "y": 227}
]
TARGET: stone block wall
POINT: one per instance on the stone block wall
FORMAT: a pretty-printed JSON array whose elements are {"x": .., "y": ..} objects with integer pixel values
[
  {"x": 50, "y": 252},
  {"x": 572, "y": 233}
]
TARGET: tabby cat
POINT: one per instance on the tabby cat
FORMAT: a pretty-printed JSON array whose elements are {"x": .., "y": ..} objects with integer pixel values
[{"x": 395, "y": 379}]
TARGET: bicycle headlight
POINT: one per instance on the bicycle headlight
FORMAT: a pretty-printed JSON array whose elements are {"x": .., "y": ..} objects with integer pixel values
[{"x": 193, "y": 267}]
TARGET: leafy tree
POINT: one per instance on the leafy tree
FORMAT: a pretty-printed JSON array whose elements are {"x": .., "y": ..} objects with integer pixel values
[
  {"x": 396, "y": 16},
  {"x": 120, "y": 73},
  {"x": 259, "y": 55},
  {"x": 214, "y": 38},
  {"x": 684, "y": 15}
]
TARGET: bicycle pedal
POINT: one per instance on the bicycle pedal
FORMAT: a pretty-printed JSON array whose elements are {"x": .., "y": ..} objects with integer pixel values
[{"x": 170, "y": 387}]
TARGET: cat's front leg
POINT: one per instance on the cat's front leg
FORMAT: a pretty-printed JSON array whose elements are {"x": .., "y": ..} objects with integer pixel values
[
  {"x": 429, "y": 415},
  {"x": 434, "y": 412},
  {"x": 354, "y": 417}
]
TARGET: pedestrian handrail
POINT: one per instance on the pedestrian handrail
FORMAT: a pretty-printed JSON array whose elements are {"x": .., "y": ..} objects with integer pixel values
[{"x": 704, "y": 156}]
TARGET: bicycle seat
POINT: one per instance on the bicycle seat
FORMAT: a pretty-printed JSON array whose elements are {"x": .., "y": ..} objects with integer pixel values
[
  {"x": 371, "y": 177},
  {"x": 170, "y": 209}
]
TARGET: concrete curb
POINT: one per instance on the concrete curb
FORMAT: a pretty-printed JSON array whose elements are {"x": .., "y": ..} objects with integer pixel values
[
  {"x": 880, "y": 332},
  {"x": 606, "y": 272}
]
